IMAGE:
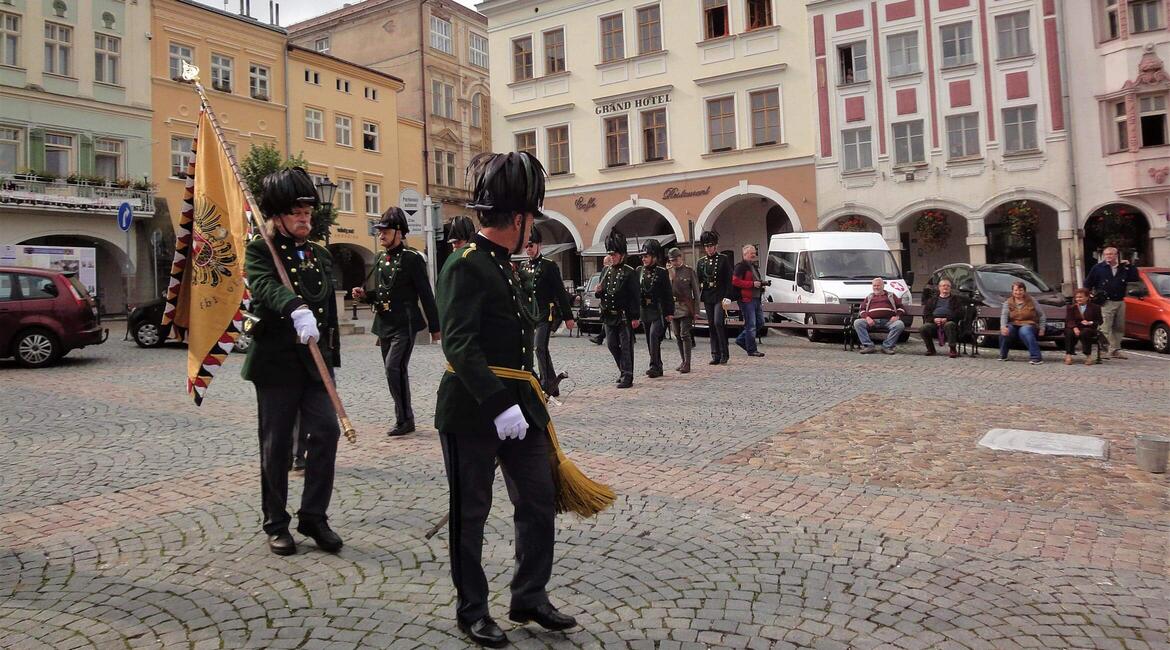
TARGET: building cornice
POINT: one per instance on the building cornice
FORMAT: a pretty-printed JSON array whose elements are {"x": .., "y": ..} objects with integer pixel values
[
  {"x": 334, "y": 63},
  {"x": 657, "y": 90},
  {"x": 500, "y": 7},
  {"x": 548, "y": 110},
  {"x": 741, "y": 74},
  {"x": 243, "y": 19},
  {"x": 76, "y": 102},
  {"x": 372, "y": 9},
  {"x": 679, "y": 177}
]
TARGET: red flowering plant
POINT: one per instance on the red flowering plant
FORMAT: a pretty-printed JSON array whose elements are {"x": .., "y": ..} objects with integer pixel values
[
  {"x": 1021, "y": 220},
  {"x": 932, "y": 229},
  {"x": 852, "y": 223},
  {"x": 1114, "y": 228}
]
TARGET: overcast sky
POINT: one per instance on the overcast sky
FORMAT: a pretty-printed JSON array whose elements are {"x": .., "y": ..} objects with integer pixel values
[{"x": 294, "y": 11}]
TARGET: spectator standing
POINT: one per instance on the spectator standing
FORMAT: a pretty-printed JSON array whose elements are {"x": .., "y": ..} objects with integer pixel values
[
  {"x": 880, "y": 310},
  {"x": 1107, "y": 280},
  {"x": 745, "y": 277}
]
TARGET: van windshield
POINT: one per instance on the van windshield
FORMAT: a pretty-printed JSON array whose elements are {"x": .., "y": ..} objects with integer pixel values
[
  {"x": 855, "y": 265},
  {"x": 1000, "y": 281}
]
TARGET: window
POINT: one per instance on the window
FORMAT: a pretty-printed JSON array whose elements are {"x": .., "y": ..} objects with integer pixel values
[
  {"x": 258, "y": 82},
  {"x": 903, "y": 53},
  {"x": 554, "y": 51},
  {"x": 371, "y": 93},
  {"x": 10, "y": 150},
  {"x": 782, "y": 265},
  {"x": 321, "y": 44},
  {"x": 477, "y": 50},
  {"x": 344, "y": 197},
  {"x": 654, "y": 135},
  {"x": 1121, "y": 126},
  {"x": 441, "y": 35},
  {"x": 106, "y": 58},
  {"x": 1013, "y": 35},
  {"x": 370, "y": 136},
  {"x": 765, "y": 117},
  {"x": 221, "y": 73},
  {"x": 373, "y": 198},
  {"x": 1111, "y": 23},
  {"x": 180, "y": 54},
  {"x": 58, "y": 154},
  {"x": 963, "y": 136},
  {"x": 108, "y": 158},
  {"x": 9, "y": 39},
  {"x": 617, "y": 141},
  {"x": 759, "y": 13},
  {"x": 909, "y": 147},
  {"x": 854, "y": 65},
  {"x": 721, "y": 124},
  {"x": 857, "y": 152},
  {"x": 442, "y": 99},
  {"x": 522, "y": 59},
  {"x": 312, "y": 77},
  {"x": 715, "y": 20},
  {"x": 314, "y": 124},
  {"x": 343, "y": 130},
  {"x": 558, "y": 150},
  {"x": 180, "y": 152},
  {"x": 613, "y": 39},
  {"x": 1019, "y": 125},
  {"x": 1145, "y": 15},
  {"x": 445, "y": 167},
  {"x": 34, "y": 287},
  {"x": 957, "y": 45},
  {"x": 477, "y": 110},
  {"x": 1152, "y": 119},
  {"x": 526, "y": 141},
  {"x": 649, "y": 29},
  {"x": 58, "y": 49},
  {"x": 343, "y": 85}
]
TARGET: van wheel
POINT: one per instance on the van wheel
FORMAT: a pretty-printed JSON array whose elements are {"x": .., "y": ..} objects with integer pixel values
[
  {"x": 36, "y": 348},
  {"x": 1160, "y": 338},
  {"x": 813, "y": 335}
]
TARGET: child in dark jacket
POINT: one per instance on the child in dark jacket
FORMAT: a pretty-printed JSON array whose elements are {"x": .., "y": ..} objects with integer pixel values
[{"x": 1082, "y": 321}]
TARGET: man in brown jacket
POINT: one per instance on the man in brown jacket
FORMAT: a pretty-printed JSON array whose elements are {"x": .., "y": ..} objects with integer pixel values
[{"x": 684, "y": 284}]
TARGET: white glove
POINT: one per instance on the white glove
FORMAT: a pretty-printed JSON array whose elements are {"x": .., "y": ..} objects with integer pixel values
[
  {"x": 306, "y": 325},
  {"x": 511, "y": 424}
]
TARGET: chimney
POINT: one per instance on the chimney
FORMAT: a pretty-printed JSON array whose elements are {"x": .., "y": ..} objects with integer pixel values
[
  {"x": 270, "y": 16},
  {"x": 248, "y": 4},
  {"x": 241, "y": 7},
  {"x": 278, "y": 14}
]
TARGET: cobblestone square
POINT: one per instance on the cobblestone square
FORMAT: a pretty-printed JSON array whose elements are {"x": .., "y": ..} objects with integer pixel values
[{"x": 811, "y": 498}]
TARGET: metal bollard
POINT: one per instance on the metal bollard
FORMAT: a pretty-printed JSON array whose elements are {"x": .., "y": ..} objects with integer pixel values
[{"x": 354, "y": 305}]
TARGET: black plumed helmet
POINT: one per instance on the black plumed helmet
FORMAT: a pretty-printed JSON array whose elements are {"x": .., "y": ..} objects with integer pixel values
[
  {"x": 535, "y": 237},
  {"x": 506, "y": 183},
  {"x": 284, "y": 190},
  {"x": 652, "y": 247},
  {"x": 615, "y": 242},
  {"x": 460, "y": 228},
  {"x": 709, "y": 237},
  {"x": 393, "y": 219}
]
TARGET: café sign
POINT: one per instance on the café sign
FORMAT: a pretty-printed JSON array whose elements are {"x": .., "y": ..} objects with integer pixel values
[
  {"x": 585, "y": 204},
  {"x": 625, "y": 105}
]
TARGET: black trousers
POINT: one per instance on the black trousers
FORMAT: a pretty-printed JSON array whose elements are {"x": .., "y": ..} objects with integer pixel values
[
  {"x": 655, "y": 327},
  {"x": 620, "y": 339},
  {"x": 929, "y": 332},
  {"x": 1087, "y": 338},
  {"x": 544, "y": 362},
  {"x": 470, "y": 461},
  {"x": 683, "y": 337},
  {"x": 396, "y": 348},
  {"x": 279, "y": 407},
  {"x": 717, "y": 330}
]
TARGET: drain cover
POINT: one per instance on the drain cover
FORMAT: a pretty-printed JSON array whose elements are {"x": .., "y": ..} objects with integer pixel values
[{"x": 1044, "y": 442}]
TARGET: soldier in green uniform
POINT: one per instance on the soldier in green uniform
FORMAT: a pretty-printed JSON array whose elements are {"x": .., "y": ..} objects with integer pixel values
[
  {"x": 401, "y": 277},
  {"x": 714, "y": 271},
  {"x": 459, "y": 231},
  {"x": 485, "y": 416},
  {"x": 288, "y": 385},
  {"x": 620, "y": 307},
  {"x": 550, "y": 304},
  {"x": 657, "y": 302}
]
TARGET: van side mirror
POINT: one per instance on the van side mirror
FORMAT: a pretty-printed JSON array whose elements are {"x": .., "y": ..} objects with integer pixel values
[{"x": 908, "y": 276}]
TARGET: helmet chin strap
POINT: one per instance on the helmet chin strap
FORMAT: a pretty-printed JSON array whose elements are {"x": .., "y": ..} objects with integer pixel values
[{"x": 520, "y": 237}]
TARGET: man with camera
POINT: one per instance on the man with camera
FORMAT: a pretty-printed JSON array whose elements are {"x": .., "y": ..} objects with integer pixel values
[
  {"x": 746, "y": 278},
  {"x": 1107, "y": 280}
]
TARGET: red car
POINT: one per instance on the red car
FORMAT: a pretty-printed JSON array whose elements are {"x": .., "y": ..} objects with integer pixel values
[
  {"x": 44, "y": 314},
  {"x": 1147, "y": 308}
]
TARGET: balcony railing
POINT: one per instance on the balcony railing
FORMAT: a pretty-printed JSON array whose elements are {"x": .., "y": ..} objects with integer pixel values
[{"x": 35, "y": 191}]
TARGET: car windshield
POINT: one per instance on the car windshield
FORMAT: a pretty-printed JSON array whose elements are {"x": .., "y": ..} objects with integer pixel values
[
  {"x": 593, "y": 280},
  {"x": 1000, "y": 281},
  {"x": 1161, "y": 282},
  {"x": 855, "y": 265}
]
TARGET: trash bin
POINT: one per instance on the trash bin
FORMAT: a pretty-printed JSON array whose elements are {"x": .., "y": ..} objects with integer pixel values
[{"x": 1152, "y": 452}]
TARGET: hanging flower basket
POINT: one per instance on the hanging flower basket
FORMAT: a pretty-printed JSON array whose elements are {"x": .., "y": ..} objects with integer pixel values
[
  {"x": 1116, "y": 229},
  {"x": 932, "y": 230},
  {"x": 1021, "y": 221},
  {"x": 852, "y": 223}
]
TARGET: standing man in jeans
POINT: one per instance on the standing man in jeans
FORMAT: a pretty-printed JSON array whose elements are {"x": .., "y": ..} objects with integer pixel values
[
  {"x": 881, "y": 309},
  {"x": 1108, "y": 278},
  {"x": 746, "y": 278},
  {"x": 714, "y": 271}
]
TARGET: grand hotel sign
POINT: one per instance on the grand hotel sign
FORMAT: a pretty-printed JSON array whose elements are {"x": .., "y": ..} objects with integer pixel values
[{"x": 627, "y": 104}]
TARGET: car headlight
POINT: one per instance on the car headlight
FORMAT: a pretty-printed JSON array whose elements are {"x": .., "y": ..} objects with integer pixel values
[{"x": 832, "y": 298}]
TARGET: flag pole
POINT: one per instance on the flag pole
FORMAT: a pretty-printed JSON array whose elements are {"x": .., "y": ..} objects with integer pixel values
[{"x": 314, "y": 351}]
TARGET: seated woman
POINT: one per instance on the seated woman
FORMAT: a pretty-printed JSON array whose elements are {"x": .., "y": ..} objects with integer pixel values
[
  {"x": 1021, "y": 317},
  {"x": 942, "y": 310},
  {"x": 1081, "y": 322}
]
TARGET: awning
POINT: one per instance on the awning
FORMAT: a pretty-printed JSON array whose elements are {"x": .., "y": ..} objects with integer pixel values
[
  {"x": 633, "y": 245},
  {"x": 547, "y": 250}
]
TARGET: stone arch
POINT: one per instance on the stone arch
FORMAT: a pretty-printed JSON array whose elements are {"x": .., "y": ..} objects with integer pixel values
[
  {"x": 1062, "y": 208},
  {"x": 912, "y": 209},
  {"x": 827, "y": 219},
  {"x": 1042, "y": 251},
  {"x": 111, "y": 263},
  {"x": 723, "y": 199},
  {"x": 1141, "y": 207},
  {"x": 624, "y": 208},
  {"x": 569, "y": 225}
]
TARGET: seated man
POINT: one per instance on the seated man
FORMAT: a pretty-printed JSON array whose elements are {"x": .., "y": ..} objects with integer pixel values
[
  {"x": 940, "y": 317},
  {"x": 882, "y": 310},
  {"x": 1082, "y": 322}
]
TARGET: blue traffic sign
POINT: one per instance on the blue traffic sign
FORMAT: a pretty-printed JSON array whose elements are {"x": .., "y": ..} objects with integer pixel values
[{"x": 125, "y": 216}]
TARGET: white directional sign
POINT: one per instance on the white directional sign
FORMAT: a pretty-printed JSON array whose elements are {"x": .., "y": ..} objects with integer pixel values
[{"x": 411, "y": 203}]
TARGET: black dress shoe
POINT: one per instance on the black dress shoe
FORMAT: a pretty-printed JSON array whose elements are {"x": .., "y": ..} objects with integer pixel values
[
  {"x": 546, "y": 615},
  {"x": 298, "y": 464},
  {"x": 653, "y": 374},
  {"x": 401, "y": 429},
  {"x": 485, "y": 632},
  {"x": 755, "y": 354},
  {"x": 282, "y": 543},
  {"x": 723, "y": 361},
  {"x": 713, "y": 362},
  {"x": 625, "y": 382},
  {"x": 319, "y": 530}
]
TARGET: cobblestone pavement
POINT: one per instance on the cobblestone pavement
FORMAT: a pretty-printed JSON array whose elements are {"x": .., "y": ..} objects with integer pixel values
[{"x": 812, "y": 498}]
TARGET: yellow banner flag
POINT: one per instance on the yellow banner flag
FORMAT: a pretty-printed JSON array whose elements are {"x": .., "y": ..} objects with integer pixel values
[{"x": 207, "y": 291}]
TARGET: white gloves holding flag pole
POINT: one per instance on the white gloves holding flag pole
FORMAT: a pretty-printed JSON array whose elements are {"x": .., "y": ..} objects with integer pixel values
[
  {"x": 305, "y": 323},
  {"x": 511, "y": 423}
]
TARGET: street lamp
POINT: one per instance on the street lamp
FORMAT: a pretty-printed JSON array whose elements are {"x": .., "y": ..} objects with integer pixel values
[{"x": 325, "y": 190}]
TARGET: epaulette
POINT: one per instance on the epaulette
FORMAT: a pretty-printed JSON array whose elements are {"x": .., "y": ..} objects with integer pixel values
[{"x": 467, "y": 252}]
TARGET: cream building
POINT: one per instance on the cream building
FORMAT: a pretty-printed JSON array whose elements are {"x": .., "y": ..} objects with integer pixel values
[{"x": 659, "y": 119}]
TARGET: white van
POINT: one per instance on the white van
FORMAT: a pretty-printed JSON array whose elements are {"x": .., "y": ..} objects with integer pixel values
[{"x": 829, "y": 267}]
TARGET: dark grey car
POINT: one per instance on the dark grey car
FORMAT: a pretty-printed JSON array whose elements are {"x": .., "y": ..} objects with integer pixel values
[{"x": 989, "y": 285}]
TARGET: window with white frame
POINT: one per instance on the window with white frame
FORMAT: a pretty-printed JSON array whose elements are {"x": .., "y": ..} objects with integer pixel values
[
  {"x": 554, "y": 51},
  {"x": 1019, "y": 126},
  {"x": 107, "y": 58},
  {"x": 370, "y": 139},
  {"x": 909, "y": 145},
  {"x": 58, "y": 49},
  {"x": 854, "y": 63},
  {"x": 477, "y": 110},
  {"x": 9, "y": 39},
  {"x": 342, "y": 85},
  {"x": 314, "y": 124},
  {"x": 903, "y": 52},
  {"x": 11, "y": 147},
  {"x": 441, "y": 35},
  {"x": 321, "y": 44},
  {"x": 313, "y": 77},
  {"x": 180, "y": 156},
  {"x": 59, "y": 154},
  {"x": 1110, "y": 19},
  {"x": 1145, "y": 15},
  {"x": 613, "y": 38},
  {"x": 721, "y": 124},
  {"x": 856, "y": 150},
  {"x": 654, "y": 137},
  {"x": 1120, "y": 126},
  {"x": 343, "y": 130},
  {"x": 963, "y": 136},
  {"x": 1013, "y": 35},
  {"x": 180, "y": 54},
  {"x": 442, "y": 99},
  {"x": 649, "y": 29},
  {"x": 522, "y": 59},
  {"x": 716, "y": 20},
  {"x": 258, "y": 82},
  {"x": 1152, "y": 120},
  {"x": 526, "y": 142},
  {"x": 371, "y": 93},
  {"x": 759, "y": 13},
  {"x": 477, "y": 50},
  {"x": 107, "y": 158},
  {"x": 221, "y": 72},
  {"x": 373, "y": 199},
  {"x": 765, "y": 117},
  {"x": 449, "y": 166},
  {"x": 957, "y": 45},
  {"x": 344, "y": 196},
  {"x": 558, "y": 149},
  {"x": 617, "y": 141}
]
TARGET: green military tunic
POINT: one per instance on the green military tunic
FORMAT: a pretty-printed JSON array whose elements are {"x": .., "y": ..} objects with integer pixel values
[
  {"x": 400, "y": 284},
  {"x": 549, "y": 300},
  {"x": 620, "y": 295}
]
